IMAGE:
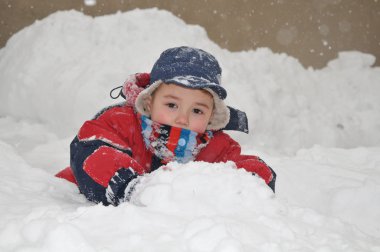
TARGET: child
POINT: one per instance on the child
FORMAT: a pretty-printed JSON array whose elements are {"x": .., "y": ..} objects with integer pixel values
[{"x": 175, "y": 113}]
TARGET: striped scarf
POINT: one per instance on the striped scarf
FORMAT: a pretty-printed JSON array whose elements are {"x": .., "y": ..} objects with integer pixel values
[{"x": 171, "y": 143}]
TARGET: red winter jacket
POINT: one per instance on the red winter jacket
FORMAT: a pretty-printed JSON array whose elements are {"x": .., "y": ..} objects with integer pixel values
[{"x": 109, "y": 152}]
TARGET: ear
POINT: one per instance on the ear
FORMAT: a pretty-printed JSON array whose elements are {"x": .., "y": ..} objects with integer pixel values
[
  {"x": 148, "y": 104},
  {"x": 211, "y": 117}
]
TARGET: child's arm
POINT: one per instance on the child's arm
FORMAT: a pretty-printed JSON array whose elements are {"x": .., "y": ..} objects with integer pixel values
[
  {"x": 101, "y": 159},
  {"x": 223, "y": 148},
  {"x": 257, "y": 166}
]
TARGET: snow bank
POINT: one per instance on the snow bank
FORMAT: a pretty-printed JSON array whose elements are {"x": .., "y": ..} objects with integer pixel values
[
  {"x": 57, "y": 73},
  {"x": 335, "y": 182},
  {"x": 192, "y": 207},
  {"x": 60, "y": 70}
]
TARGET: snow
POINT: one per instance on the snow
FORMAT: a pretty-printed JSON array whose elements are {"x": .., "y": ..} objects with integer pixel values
[
  {"x": 317, "y": 128},
  {"x": 90, "y": 2}
]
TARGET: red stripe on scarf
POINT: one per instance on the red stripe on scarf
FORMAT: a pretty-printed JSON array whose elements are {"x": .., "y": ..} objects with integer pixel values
[
  {"x": 155, "y": 132},
  {"x": 175, "y": 133}
]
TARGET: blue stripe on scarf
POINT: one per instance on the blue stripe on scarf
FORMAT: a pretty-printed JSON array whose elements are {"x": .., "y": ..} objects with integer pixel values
[
  {"x": 180, "y": 150},
  {"x": 143, "y": 122},
  {"x": 146, "y": 129}
]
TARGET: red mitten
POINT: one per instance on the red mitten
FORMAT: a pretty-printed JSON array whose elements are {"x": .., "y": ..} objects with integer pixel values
[{"x": 132, "y": 87}]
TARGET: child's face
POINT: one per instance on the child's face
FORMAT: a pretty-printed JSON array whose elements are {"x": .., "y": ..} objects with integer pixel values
[{"x": 181, "y": 107}]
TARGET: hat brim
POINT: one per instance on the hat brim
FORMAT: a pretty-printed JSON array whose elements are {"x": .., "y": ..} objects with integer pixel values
[{"x": 197, "y": 83}]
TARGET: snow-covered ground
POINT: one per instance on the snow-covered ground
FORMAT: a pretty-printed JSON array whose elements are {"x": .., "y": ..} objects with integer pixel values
[{"x": 318, "y": 129}]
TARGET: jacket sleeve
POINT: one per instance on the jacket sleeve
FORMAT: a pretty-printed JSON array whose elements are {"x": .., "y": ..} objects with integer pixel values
[
  {"x": 258, "y": 167},
  {"x": 101, "y": 160},
  {"x": 223, "y": 148}
]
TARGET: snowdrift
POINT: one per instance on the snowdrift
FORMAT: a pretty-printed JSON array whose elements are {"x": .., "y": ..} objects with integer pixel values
[
  {"x": 318, "y": 129},
  {"x": 67, "y": 64}
]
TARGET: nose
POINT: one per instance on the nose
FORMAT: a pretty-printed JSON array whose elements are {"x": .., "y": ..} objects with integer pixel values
[{"x": 182, "y": 119}]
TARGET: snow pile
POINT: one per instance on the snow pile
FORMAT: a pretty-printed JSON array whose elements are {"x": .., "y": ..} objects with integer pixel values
[
  {"x": 335, "y": 182},
  {"x": 193, "y": 207},
  {"x": 68, "y": 63},
  {"x": 58, "y": 72},
  {"x": 290, "y": 107}
]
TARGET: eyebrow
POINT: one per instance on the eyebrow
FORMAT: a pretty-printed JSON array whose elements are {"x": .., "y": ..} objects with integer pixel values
[
  {"x": 171, "y": 96},
  {"x": 197, "y": 103},
  {"x": 202, "y": 105}
]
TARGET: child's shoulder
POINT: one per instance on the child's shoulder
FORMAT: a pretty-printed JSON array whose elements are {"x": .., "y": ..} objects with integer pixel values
[
  {"x": 118, "y": 110},
  {"x": 219, "y": 147},
  {"x": 221, "y": 136},
  {"x": 221, "y": 141}
]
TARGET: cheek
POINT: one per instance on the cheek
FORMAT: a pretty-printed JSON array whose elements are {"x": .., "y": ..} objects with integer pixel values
[
  {"x": 199, "y": 125},
  {"x": 161, "y": 117}
]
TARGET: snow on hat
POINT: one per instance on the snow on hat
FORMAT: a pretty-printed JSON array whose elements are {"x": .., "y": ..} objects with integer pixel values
[
  {"x": 193, "y": 68},
  {"x": 189, "y": 67}
]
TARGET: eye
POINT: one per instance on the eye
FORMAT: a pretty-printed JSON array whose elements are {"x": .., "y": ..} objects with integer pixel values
[
  {"x": 197, "y": 111},
  {"x": 171, "y": 105}
]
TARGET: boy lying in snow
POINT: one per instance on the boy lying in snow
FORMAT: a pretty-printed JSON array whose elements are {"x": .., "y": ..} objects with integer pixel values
[{"x": 175, "y": 113}]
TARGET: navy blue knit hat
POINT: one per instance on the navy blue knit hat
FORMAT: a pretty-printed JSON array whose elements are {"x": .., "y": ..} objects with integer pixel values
[{"x": 189, "y": 67}]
